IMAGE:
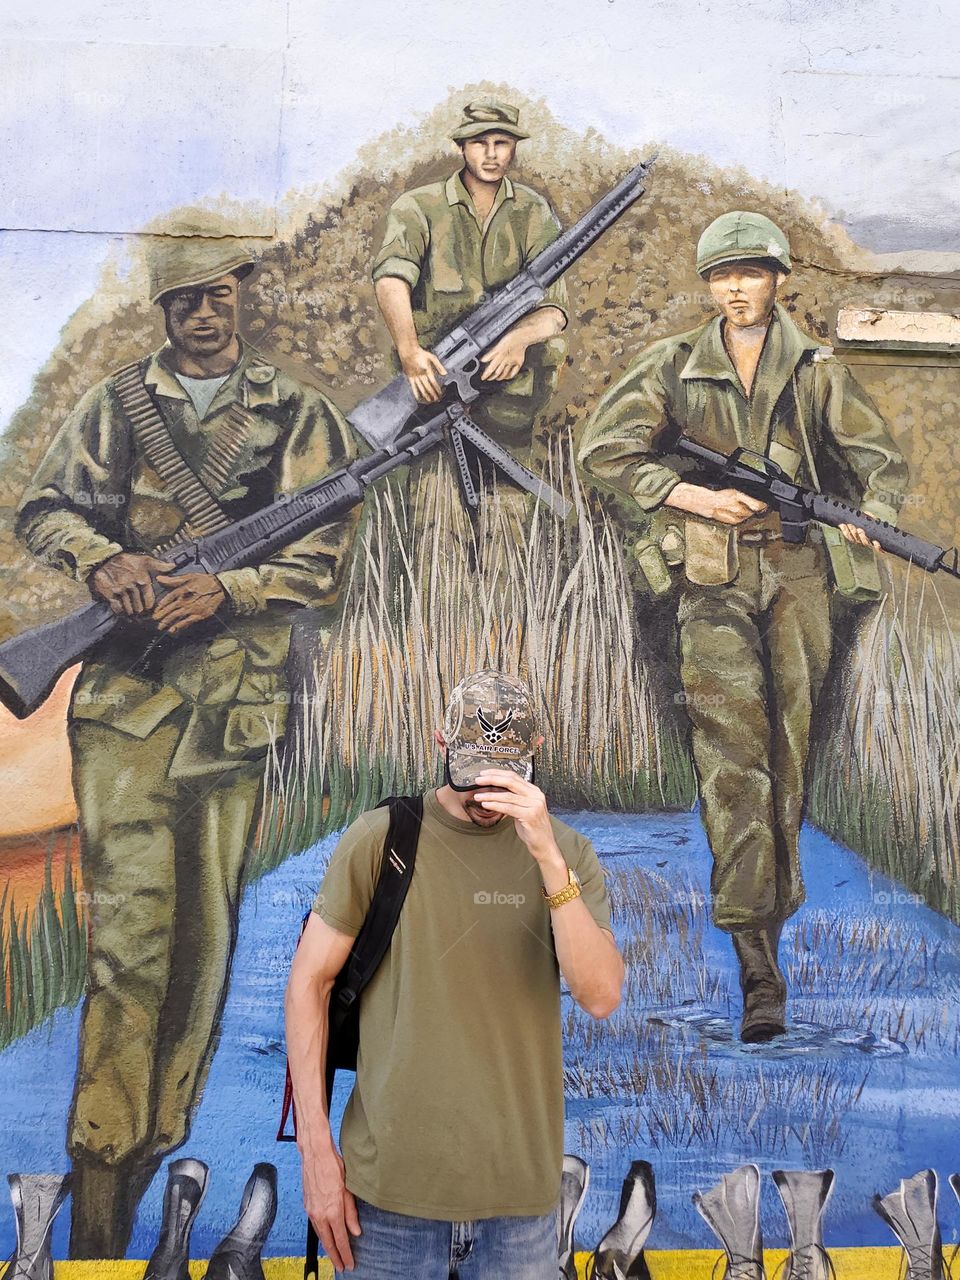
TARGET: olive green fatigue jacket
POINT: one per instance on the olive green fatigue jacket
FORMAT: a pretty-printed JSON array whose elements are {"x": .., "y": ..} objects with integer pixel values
[
  {"x": 806, "y": 412},
  {"x": 94, "y": 495},
  {"x": 435, "y": 241}
]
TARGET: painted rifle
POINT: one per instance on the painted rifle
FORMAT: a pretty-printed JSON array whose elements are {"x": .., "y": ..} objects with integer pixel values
[
  {"x": 32, "y": 662},
  {"x": 382, "y": 417},
  {"x": 397, "y": 428},
  {"x": 759, "y": 477}
]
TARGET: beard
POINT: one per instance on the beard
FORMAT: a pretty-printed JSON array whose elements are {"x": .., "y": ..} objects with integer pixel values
[{"x": 478, "y": 815}]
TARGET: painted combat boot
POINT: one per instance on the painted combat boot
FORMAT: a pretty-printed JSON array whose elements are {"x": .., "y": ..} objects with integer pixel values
[
  {"x": 186, "y": 1187},
  {"x": 573, "y": 1191},
  {"x": 911, "y": 1214},
  {"x": 805, "y": 1195},
  {"x": 37, "y": 1199},
  {"x": 763, "y": 985},
  {"x": 619, "y": 1255},
  {"x": 237, "y": 1256},
  {"x": 732, "y": 1210}
]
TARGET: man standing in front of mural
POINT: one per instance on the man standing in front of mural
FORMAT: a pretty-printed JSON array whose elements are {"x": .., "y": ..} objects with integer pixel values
[
  {"x": 448, "y": 244},
  {"x": 169, "y": 749},
  {"x": 754, "y": 611},
  {"x": 452, "y": 1139}
]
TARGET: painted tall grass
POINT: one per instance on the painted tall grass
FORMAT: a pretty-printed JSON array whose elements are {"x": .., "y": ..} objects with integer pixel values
[
  {"x": 521, "y": 592},
  {"x": 887, "y": 780},
  {"x": 663, "y": 1093},
  {"x": 429, "y": 597},
  {"x": 42, "y": 956},
  {"x": 556, "y": 604}
]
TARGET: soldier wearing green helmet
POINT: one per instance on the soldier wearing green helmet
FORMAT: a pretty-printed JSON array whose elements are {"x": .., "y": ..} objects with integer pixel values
[
  {"x": 753, "y": 611},
  {"x": 168, "y": 755},
  {"x": 445, "y": 246}
]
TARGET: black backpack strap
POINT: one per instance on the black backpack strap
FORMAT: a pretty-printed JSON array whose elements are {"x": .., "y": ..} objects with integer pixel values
[
  {"x": 311, "y": 1262},
  {"x": 396, "y": 872},
  {"x": 369, "y": 948}
]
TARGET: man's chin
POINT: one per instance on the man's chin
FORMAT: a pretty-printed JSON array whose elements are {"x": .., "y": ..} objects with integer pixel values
[
  {"x": 208, "y": 346},
  {"x": 479, "y": 816}
]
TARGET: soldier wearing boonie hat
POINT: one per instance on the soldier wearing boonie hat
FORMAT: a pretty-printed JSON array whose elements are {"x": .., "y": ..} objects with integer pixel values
[
  {"x": 488, "y": 117},
  {"x": 445, "y": 247},
  {"x": 504, "y": 901},
  {"x": 753, "y": 610},
  {"x": 168, "y": 761}
]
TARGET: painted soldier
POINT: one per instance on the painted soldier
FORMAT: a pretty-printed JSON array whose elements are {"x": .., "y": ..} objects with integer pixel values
[
  {"x": 445, "y": 247},
  {"x": 168, "y": 752},
  {"x": 754, "y": 611}
]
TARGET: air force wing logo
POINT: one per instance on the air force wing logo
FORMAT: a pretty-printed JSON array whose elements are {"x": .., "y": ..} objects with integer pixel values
[{"x": 492, "y": 733}]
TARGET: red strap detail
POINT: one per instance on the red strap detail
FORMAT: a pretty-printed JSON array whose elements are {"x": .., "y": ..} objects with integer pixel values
[{"x": 287, "y": 1108}]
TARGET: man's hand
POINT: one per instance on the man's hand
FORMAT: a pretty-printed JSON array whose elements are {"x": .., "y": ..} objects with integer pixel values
[
  {"x": 505, "y": 358},
  {"x": 190, "y": 598},
  {"x": 422, "y": 369},
  {"x": 726, "y": 506},
  {"x": 125, "y": 581},
  {"x": 330, "y": 1206},
  {"x": 503, "y": 791},
  {"x": 853, "y": 533}
]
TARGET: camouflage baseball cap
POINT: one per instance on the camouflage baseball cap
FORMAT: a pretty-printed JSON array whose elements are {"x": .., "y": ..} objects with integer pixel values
[
  {"x": 196, "y": 255},
  {"x": 741, "y": 236},
  {"x": 488, "y": 117},
  {"x": 488, "y": 724}
]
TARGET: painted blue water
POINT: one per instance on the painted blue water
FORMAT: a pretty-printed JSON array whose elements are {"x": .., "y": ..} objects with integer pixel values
[{"x": 905, "y": 1117}]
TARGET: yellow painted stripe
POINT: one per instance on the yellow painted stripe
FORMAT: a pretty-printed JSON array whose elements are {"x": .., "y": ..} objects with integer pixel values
[{"x": 684, "y": 1264}]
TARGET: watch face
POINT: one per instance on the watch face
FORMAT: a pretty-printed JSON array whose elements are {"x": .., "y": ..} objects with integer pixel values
[{"x": 575, "y": 878}]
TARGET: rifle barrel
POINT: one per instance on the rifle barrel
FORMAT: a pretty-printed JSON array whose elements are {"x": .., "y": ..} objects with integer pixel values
[{"x": 558, "y": 257}]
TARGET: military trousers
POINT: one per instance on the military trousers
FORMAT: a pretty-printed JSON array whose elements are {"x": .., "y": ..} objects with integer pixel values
[
  {"x": 753, "y": 657},
  {"x": 162, "y": 865}
]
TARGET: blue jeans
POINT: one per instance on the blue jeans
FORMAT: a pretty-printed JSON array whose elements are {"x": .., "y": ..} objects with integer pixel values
[{"x": 397, "y": 1246}]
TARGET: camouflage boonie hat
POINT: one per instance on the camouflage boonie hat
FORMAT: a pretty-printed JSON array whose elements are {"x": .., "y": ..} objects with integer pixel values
[
  {"x": 741, "y": 236},
  {"x": 196, "y": 255},
  {"x": 488, "y": 117},
  {"x": 488, "y": 724}
]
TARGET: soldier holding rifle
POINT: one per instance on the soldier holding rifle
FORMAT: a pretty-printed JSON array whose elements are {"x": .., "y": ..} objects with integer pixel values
[
  {"x": 168, "y": 754},
  {"x": 754, "y": 609}
]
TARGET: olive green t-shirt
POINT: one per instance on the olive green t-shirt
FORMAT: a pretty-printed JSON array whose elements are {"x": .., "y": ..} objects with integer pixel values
[{"x": 457, "y": 1110}]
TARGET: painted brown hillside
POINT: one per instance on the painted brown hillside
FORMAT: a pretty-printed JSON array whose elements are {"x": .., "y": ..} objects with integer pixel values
[{"x": 311, "y": 304}]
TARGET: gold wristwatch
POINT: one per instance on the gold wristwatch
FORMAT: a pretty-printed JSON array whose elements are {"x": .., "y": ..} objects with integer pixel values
[{"x": 569, "y": 891}]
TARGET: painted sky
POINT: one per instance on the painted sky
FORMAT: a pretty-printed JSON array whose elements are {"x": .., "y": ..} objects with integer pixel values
[{"x": 112, "y": 113}]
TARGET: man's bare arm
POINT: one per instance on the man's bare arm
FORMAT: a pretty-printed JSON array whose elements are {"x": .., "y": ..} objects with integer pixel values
[
  {"x": 727, "y": 506},
  {"x": 420, "y": 366},
  {"x": 588, "y": 956},
  {"x": 505, "y": 358},
  {"x": 321, "y": 955},
  {"x": 503, "y": 361}
]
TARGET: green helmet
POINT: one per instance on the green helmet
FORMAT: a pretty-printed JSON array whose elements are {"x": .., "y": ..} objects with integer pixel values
[
  {"x": 741, "y": 236},
  {"x": 195, "y": 253}
]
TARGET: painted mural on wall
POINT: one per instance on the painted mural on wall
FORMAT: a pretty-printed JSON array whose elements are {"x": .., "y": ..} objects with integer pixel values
[{"x": 748, "y": 708}]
